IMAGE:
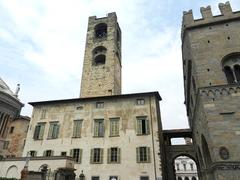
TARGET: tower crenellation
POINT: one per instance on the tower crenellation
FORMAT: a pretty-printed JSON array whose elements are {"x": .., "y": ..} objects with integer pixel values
[{"x": 208, "y": 17}]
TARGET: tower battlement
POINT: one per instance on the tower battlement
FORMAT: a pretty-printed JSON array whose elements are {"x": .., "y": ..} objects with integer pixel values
[
  {"x": 189, "y": 22},
  {"x": 109, "y": 15}
]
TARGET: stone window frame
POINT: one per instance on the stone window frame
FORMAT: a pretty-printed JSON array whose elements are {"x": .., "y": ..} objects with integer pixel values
[
  {"x": 114, "y": 157},
  {"x": 32, "y": 153},
  {"x": 140, "y": 101},
  {"x": 77, "y": 128},
  {"x": 142, "y": 125},
  {"x": 99, "y": 55},
  {"x": 96, "y": 156},
  {"x": 99, "y": 129},
  {"x": 143, "y": 154},
  {"x": 231, "y": 67},
  {"x": 48, "y": 153},
  {"x": 76, "y": 153},
  {"x": 114, "y": 127},
  {"x": 99, "y": 104},
  {"x": 53, "y": 131},
  {"x": 39, "y": 131},
  {"x": 11, "y": 129},
  {"x": 113, "y": 178}
]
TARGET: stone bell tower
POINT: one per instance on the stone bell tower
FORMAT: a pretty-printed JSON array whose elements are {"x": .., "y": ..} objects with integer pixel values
[
  {"x": 211, "y": 66},
  {"x": 101, "y": 75}
]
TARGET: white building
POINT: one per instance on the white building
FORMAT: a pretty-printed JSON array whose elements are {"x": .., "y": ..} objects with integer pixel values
[{"x": 185, "y": 168}]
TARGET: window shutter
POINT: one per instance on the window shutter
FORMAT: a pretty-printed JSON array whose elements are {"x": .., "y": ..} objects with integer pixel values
[
  {"x": 71, "y": 152},
  {"x": 147, "y": 126},
  {"x": 50, "y": 132},
  {"x": 148, "y": 155},
  {"x": 91, "y": 155},
  {"x": 96, "y": 128},
  {"x": 117, "y": 128},
  {"x": 44, "y": 153},
  {"x": 80, "y": 156},
  {"x": 41, "y": 131},
  {"x": 109, "y": 155},
  {"x": 139, "y": 126},
  {"x": 101, "y": 155},
  {"x": 74, "y": 128},
  {"x": 57, "y": 131},
  {"x": 52, "y": 153},
  {"x": 36, "y": 132},
  {"x": 138, "y": 154},
  {"x": 119, "y": 155}
]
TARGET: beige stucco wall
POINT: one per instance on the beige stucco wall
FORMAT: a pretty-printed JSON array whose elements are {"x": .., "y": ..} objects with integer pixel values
[{"x": 124, "y": 108}]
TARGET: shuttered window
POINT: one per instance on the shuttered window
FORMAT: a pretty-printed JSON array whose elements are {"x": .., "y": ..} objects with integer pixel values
[
  {"x": 48, "y": 153},
  {"x": 76, "y": 154},
  {"x": 114, "y": 155},
  {"x": 98, "y": 127},
  {"x": 142, "y": 125},
  {"x": 53, "y": 130},
  {"x": 39, "y": 131},
  {"x": 143, "y": 155},
  {"x": 77, "y": 127},
  {"x": 114, "y": 127},
  {"x": 96, "y": 156}
]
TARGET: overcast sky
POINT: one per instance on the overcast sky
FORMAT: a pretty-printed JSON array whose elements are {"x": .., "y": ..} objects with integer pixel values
[{"x": 42, "y": 46}]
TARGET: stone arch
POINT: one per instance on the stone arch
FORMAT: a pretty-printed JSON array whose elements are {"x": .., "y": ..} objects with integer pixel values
[
  {"x": 12, "y": 172},
  {"x": 186, "y": 178},
  {"x": 205, "y": 149},
  {"x": 99, "y": 55},
  {"x": 194, "y": 178},
  {"x": 231, "y": 67},
  {"x": 43, "y": 166},
  {"x": 101, "y": 30},
  {"x": 179, "y": 178}
]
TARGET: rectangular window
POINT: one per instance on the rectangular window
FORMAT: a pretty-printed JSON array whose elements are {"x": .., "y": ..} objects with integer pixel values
[
  {"x": 77, "y": 126},
  {"x": 144, "y": 178},
  {"x": 39, "y": 131},
  {"x": 140, "y": 101},
  {"x": 143, "y": 154},
  {"x": 96, "y": 156},
  {"x": 114, "y": 155},
  {"x": 53, "y": 130},
  {"x": 5, "y": 144},
  {"x": 48, "y": 153},
  {"x": 98, "y": 128},
  {"x": 33, "y": 153},
  {"x": 64, "y": 153},
  {"x": 142, "y": 126},
  {"x": 184, "y": 167},
  {"x": 113, "y": 178},
  {"x": 11, "y": 130},
  {"x": 95, "y": 178},
  {"x": 99, "y": 104},
  {"x": 76, "y": 154},
  {"x": 114, "y": 127}
]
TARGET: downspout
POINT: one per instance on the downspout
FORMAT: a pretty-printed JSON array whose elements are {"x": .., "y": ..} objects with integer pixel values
[{"x": 154, "y": 160}]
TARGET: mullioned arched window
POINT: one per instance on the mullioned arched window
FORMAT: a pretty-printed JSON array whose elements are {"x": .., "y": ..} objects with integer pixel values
[{"x": 231, "y": 67}]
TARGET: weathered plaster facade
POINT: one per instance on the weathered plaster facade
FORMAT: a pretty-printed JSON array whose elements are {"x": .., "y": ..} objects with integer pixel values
[
  {"x": 212, "y": 99},
  {"x": 16, "y": 136},
  {"x": 123, "y": 107}
]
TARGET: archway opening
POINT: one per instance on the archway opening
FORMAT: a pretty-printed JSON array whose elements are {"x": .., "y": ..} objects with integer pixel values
[{"x": 185, "y": 168}]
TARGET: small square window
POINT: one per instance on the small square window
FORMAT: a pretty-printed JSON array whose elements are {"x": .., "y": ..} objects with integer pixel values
[
  {"x": 140, "y": 101},
  {"x": 33, "y": 153},
  {"x": 99, "y": 104},
  {"x": 144, "y": 178}
]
